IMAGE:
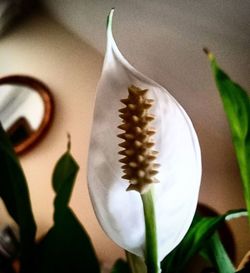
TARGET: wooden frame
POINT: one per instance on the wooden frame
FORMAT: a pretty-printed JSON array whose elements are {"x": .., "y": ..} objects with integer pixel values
[{"x": 47, "y": 98}]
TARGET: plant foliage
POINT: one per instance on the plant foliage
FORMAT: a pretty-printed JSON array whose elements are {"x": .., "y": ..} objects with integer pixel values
[
  {"x": 236, "y": 104},
  {"x": 66, "y": 247}
]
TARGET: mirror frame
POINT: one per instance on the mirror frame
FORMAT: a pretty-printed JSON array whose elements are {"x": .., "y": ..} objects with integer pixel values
[{"x": 47, "y": 98}]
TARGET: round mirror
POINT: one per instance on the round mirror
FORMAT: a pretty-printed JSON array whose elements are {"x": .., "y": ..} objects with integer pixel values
[{"x": 26, "y": 110}]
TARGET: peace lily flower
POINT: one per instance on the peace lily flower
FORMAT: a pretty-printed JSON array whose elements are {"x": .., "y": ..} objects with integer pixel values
[{"x": 116, "y": 200}]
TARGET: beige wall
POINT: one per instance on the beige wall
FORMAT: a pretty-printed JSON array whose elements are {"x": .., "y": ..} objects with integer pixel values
[{"x": 44, "y": 49}]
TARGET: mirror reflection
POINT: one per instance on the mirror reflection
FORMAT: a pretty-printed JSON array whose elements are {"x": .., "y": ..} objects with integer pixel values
[
  {"x": 25, "y": 110},
  {"x": 21, "y": 111}
]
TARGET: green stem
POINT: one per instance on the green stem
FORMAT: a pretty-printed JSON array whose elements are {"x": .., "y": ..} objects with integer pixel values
[{"x": 151, "y": 236}]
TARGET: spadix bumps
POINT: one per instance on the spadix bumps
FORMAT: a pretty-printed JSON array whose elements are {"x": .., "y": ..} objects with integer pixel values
[{"x": 139, "y": 165}]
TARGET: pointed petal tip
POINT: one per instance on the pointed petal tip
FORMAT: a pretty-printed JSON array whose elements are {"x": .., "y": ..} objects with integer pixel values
[
  {"x": 208, "y": 53},
  {"x": 110, "y": 19},
  {"x": 111, "y": 13}
]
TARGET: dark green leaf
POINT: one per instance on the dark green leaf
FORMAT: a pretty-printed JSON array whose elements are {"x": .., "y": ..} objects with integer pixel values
[
  {"x": 66, "y": 247},
  {"x": 201, "y": 230},
  {"x": 15, "y": 194},
  {"x": 65, "y": 170},
  {"x": 120, "y": 266},
  {"x": 236, "y": 104},
  {"x": 63, "y": 181},
  {"x": 215, "y": 252}
]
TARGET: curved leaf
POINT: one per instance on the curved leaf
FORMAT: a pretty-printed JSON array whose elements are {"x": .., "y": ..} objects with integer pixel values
[
  {"x": 199, "y": 233},
  {"x": 66, "y": 247},
  {"x": 236, "y": 104},
  {"x": 15, "y": 195},
  {"x": 215, "y": 252}
]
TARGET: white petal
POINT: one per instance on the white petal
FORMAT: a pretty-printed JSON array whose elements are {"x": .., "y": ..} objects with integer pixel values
[{"x": 118, "y": 211}]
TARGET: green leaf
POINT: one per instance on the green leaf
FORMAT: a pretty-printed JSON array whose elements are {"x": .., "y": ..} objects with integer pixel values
[
  {"x": 236, "y": 104},
  {"x": 120, "y": 266},
  {"x": 63, "y": 180},
  {"x": 15, "y": 195},
  {"x": 215, "y": 252},
  {"x": 202, "y": 228},
  {"x": 65, "y": 170},
  {"x": 66, "y": 247}
]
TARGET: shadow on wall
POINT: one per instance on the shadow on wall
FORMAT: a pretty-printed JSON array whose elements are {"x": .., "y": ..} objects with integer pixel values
[{"x": 12, "y": 11}]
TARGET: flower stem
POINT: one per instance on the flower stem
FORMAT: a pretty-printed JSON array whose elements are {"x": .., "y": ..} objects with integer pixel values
[{"x": 151, "y": 236}]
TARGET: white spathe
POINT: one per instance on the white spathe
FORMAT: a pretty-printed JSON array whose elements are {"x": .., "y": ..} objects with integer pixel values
[{"x": 119, "y": 212}]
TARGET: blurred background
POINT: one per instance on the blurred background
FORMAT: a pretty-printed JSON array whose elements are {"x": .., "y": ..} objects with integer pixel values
[{"x": 62, "y": 43}]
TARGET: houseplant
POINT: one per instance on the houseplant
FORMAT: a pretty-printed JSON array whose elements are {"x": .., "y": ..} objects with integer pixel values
[{"x": 67, "y": 248}]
